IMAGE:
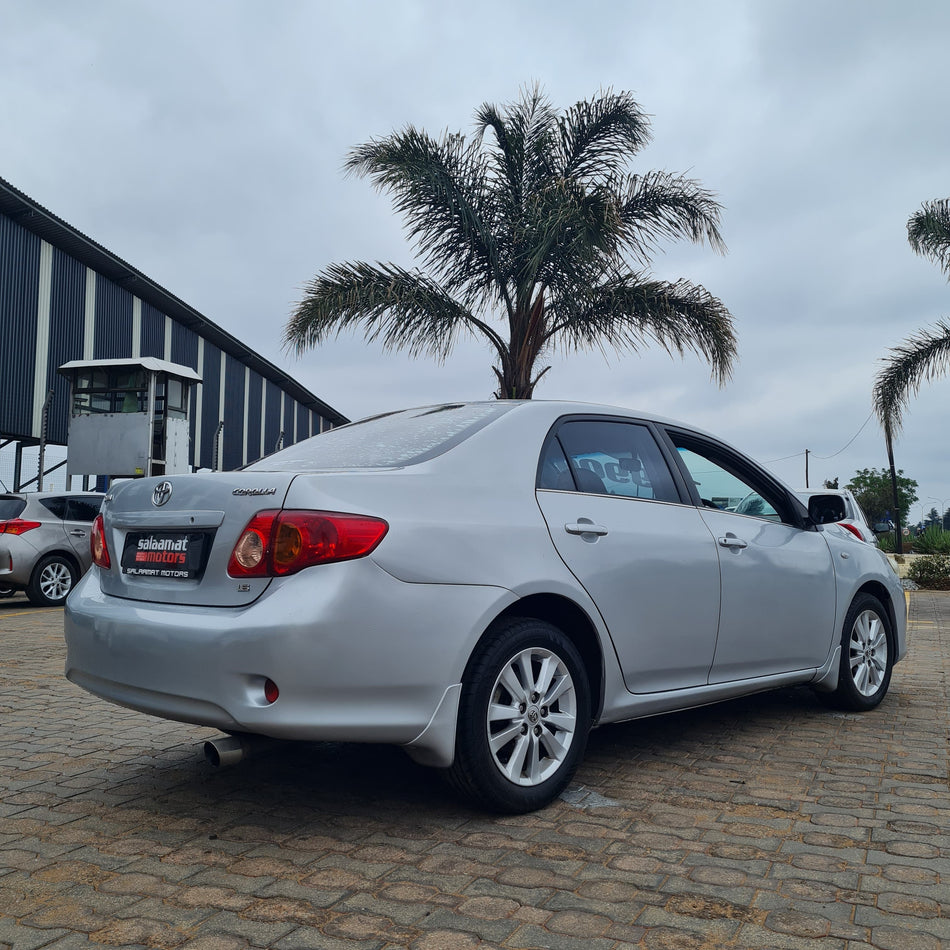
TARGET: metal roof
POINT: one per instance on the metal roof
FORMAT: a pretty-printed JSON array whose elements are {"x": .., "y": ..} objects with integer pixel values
[
  {"x": 151, "y": 363},
  {"x": 35, "y": 218}
]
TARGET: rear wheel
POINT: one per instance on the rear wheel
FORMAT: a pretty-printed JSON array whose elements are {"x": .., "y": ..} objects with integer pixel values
[
  {"x": 53, "y": 578},
  {"x": 523, "y": 717},
  {"x": 867, "y": 656}
]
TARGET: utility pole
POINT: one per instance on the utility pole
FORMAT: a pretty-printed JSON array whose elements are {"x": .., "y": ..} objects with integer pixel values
[{"x": 807, "y": 453}]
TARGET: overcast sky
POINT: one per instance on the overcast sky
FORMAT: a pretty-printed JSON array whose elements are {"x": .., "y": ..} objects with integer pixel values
[{"x": 203, "y": 142}]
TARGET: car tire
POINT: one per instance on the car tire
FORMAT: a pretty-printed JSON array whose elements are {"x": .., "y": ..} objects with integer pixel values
[
  {"x": 52, "y": 580},
  {"x": 524, "y": 716},
  {"x": 867, "y": 656},
  {"x": 6, "y": 590}
]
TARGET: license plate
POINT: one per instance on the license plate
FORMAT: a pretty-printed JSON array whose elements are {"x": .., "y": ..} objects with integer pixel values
[{"x": 167, "y": 555}]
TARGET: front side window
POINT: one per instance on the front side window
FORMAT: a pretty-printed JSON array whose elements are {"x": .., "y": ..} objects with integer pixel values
[
  {"x": 606, "y": 458},
  {"x": 729, "y": 483}
]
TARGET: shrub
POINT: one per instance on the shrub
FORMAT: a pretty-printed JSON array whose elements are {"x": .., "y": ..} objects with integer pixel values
[
  {"x": 931, "y": 572},
  {"x": 933, "y": 541},
  {"x": 886, "y": 542}
]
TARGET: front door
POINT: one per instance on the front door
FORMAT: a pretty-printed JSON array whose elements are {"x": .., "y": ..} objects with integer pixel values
[{"x": 778, "y": 581}]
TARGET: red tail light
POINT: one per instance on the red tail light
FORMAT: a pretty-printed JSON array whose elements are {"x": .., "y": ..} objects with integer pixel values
[
  {"x": 278, "y": 542},
  {"x": 98, "y": 546},
  {"x": 852, "y": 529},
  {"x": 18, "y": 526}
]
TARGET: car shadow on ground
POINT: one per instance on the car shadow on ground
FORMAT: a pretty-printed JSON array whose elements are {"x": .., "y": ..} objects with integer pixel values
[{"x": 295, "y": 784}]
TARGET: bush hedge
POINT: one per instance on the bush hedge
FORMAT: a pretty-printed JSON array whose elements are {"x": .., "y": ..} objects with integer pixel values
[
  {"x": 931, "y": 572},
  {"x": 933, "y": 541}
]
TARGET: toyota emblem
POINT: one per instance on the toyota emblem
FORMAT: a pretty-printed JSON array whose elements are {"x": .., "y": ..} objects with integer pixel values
[{"x": 163, "y": 491}]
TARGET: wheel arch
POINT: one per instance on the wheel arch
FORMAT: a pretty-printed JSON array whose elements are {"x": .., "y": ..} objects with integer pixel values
[
  {"x": 574, "y": 623},
  {"x": 883, "y": 595}
]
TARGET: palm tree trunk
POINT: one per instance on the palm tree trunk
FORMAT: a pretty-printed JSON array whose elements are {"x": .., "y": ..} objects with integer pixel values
[{"x": 898, "y": 537}]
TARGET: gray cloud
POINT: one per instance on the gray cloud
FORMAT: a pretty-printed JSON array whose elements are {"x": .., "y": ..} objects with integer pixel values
[{"x": 204, "y": 144}]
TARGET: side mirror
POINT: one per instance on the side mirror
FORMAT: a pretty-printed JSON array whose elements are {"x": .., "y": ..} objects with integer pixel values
[{"x": 825, "y": 509}]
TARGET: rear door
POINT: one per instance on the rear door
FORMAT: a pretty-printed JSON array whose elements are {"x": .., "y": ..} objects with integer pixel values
[
  {"x": 778, "y": 581},
  {"x": 80, "y": 512},
  {"x": 647, "y": 560}
]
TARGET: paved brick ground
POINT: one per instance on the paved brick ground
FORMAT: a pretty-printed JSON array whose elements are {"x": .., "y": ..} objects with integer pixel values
[{"x": 765, "y": 823}]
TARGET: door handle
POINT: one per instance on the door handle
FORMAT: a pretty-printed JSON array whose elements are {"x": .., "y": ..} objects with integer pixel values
[
  {"x": 731, "y": 541},
  {"x": 583, "y": 526},
  {"x": 78, "y": 533}
]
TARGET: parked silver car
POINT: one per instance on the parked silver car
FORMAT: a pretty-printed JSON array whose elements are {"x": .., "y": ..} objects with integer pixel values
[
  {"x": 44, "y": 542},
  {"x": 481, "y": 584}
]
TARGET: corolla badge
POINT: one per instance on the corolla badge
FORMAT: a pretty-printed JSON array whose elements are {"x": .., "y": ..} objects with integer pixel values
[{"x": 163, "y": 491}]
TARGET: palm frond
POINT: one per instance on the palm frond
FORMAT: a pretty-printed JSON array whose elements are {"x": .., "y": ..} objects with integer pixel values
[
  {"x": 629, "y": 312},
  {"x": 928, "y": 232},
  {"x": 663, "y": 205},
  {"x": 439, "y": 188},
  {"x": 919, "y": 359},
  {"x": 401, "y": 310},
  {"x": 601, "y": 134}
]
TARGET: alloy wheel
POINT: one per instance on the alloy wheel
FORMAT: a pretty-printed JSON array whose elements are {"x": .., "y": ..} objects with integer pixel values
[
  {"x": 532, "y": 716},
  {"x": 868, "y": 652}
]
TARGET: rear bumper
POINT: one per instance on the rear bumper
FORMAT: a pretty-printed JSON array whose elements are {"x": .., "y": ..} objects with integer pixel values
[{"x": 356, "y": 654}]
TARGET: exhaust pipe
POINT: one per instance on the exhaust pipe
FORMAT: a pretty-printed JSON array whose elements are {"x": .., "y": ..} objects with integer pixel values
[{"x": 229, "y": 750}]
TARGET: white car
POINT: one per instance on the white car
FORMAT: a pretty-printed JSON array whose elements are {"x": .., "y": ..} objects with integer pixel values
[
  {"x": 854, "y": 519},
  {"x": 481, "y": 584}
]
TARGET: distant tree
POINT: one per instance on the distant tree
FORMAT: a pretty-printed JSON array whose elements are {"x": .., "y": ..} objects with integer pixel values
[
  {"x": 536, "y": 224},
  {"x": 872, "y": 488},
  {"x": 933, "y": 518},
  {"x": 831, "y": 483},
  {"x": 926, "y": 355}
]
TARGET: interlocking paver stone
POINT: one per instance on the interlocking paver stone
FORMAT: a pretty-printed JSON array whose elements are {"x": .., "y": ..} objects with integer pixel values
[{"x": 770, "y": 822}]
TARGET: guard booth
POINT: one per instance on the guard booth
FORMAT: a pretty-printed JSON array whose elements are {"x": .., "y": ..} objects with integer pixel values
[{"x": 129, "y": 417}]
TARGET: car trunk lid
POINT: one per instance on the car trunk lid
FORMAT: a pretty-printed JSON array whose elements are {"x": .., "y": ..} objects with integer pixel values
[{"x": 170, "y": 538}]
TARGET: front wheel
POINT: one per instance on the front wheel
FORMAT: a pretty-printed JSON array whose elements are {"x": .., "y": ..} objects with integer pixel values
[
  {"x": 523, "y": 718},
  {"x": 867, "y": 656},
  {"x": 52, "y": 580}
]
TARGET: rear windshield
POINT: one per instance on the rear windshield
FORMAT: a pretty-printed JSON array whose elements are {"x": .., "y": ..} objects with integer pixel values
[
  {"x": 388, "y": 441},
  {"x": 10, "y": 508}
]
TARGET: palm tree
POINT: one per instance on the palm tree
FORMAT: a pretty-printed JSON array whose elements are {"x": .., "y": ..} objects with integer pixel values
[
  {"x": 536, "y": 221},
  {"x": 925, "y": 355}
]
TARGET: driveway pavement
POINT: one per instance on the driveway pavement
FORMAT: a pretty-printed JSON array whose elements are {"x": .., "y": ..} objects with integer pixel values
[{"x": 764, "y": 823}]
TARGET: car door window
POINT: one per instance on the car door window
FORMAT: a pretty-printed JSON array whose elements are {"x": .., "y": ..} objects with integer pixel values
[
  {"x": 82, "y": 509},
  {"x": 606, "y": 458},
  {"x": 725, "y": 482}
]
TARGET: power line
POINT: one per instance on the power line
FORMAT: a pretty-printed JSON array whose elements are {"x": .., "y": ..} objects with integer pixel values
[{"x": 825, "y": 458}]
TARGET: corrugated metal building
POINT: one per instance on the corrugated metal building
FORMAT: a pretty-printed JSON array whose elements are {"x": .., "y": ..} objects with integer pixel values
[{"x": 64, "y": 297}]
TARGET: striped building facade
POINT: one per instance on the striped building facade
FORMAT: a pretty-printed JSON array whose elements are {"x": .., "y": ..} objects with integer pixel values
[{"x": 63, "y": 297}]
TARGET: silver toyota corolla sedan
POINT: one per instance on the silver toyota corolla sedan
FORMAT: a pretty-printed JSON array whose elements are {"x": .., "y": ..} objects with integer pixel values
[{"x": 481, "y": 584}]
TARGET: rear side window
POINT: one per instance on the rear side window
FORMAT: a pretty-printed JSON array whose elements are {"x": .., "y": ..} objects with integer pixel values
[
  {"x": 389, "y": 441},
  {"x": 607, "y": 458},
  {"x": 82, "y": 509},
  {"x": 10, "y": 508},
  {"x": 56, "y": 506}
]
